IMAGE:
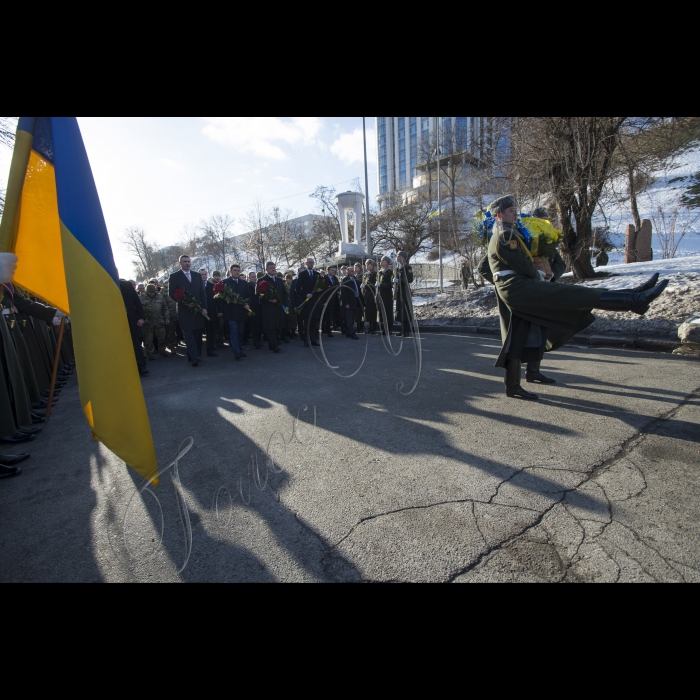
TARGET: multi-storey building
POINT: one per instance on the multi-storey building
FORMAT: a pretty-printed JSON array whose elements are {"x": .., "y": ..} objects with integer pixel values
[{"x": 406, "y": 144}]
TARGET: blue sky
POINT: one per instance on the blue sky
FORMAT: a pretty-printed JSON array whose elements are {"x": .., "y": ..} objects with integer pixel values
[{"x": 162, "y": 173}]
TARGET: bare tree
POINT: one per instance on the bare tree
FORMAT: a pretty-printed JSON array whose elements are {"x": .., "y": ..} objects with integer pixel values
[
  {"x": 327, "y": 229},
  {"x": 145, "y": 262},
  {"x": 571, "y": 158},
  {"x": 404, "y": 226},
  {"x": 649, "y": 144},
  {"x": 8, "y": 127},
  {"x": 7, "y": 138},
  {"x": 216, "y": 240},
  {"x": 672, "y": 225},
  {"x": 257, "y": 240}
]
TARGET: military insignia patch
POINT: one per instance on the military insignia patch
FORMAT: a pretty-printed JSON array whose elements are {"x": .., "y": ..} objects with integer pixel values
[{"x": 514, "y": 245}]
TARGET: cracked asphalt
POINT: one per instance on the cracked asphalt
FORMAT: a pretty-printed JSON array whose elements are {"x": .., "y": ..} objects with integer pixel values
[{"x": 598, "y": 482}]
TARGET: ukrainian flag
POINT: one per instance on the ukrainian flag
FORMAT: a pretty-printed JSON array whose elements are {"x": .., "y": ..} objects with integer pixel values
[{"x": 53, "y": 222}]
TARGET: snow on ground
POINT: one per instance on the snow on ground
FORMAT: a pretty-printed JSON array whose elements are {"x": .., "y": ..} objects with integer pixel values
[
  {"x": 680, "y": 303},
  {"x": 683, "y": 272}
]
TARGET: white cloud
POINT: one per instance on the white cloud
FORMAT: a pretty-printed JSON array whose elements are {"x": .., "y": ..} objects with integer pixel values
[
  {"x": 350, "y": 148},
  {"x": 173, "y": 165},
  {"x": 261, "y": 135},
  {"x": 279, "y": 178}
]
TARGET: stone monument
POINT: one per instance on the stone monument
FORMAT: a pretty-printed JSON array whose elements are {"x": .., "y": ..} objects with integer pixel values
[
  {"x": 645, "y": 251},
  {"x": 639, "y": 243},
  {"x": 351, "y": 202}
]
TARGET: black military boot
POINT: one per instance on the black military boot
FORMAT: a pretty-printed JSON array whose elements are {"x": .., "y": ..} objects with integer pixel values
[
  {"x": 513, "y": 388},
  {"x": 534, "y": 376},
  {"x": 629, "y": 301},
  {"x": 647, "y": 285}
]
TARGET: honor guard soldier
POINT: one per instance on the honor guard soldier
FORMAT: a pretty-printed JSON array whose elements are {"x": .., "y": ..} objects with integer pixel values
[
  {"x": 538, "y": 317},
  {"x": 369, "y": 294},
  {"x": 403, "y": 279}
]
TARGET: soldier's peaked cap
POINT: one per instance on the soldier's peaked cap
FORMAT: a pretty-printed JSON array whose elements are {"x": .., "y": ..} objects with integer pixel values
[{"x": 500, "y": 205}]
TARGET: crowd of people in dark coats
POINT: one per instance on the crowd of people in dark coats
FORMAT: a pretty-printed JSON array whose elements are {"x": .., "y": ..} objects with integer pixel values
[
  {"x": 30, "y": 355},
  {"x": 193, "y": 312}
]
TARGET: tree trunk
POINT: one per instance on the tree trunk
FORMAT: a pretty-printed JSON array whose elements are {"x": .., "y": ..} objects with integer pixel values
[
  {"x": 634, "y": 204},
  {"x": 581, "y": 263}
]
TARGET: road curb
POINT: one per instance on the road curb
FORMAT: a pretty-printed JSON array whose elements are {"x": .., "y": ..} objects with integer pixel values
[{"x": 594, "y": 341}]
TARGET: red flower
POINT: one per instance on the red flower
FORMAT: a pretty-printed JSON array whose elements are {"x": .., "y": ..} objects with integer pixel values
[
  {"x": 219, "y": 287},
  {"x": 263, "y": 287},
  {"x": 179, "y": 294}
]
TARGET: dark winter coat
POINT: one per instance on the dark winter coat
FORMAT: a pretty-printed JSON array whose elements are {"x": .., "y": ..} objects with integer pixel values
[
  {"x": 188, "y": 320},
  {"x": 563, "y": 310}
]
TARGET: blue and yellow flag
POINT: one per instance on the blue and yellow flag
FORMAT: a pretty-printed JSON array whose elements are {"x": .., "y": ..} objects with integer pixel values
[{"x": 53, "y": 222}]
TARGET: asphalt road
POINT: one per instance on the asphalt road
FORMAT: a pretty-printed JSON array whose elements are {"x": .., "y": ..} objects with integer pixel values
[{"x": 598, "y": 482}]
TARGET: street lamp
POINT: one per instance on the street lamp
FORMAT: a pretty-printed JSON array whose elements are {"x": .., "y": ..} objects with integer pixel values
[
  {"x": 439, "y": 174},
  {"x": 367, "y": 226}
]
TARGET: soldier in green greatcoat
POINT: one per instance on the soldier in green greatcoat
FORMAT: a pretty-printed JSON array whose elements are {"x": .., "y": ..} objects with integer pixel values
[
  {"x": 157, "y": 320},
  {"x": 369, "y": 292},
  {"x": 385, "y": 280},
  {"x": 537, "y": 317},
  {"x": 403, "y": 279}
]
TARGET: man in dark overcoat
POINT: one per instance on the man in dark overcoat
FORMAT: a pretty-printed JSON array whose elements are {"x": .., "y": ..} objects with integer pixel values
[
  {"x": 192, "y": 324},
  {"x": 236, "y": 315},
  {"x": 271, "y": 310}
]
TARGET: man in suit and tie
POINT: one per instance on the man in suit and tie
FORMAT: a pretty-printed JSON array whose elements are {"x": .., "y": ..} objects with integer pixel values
[
  {"x": 137, "y": 319},
  {"x": 350, "y": 300},
  {"x": 272, "y": 310},
  {"x": 191, "y": 324},
  {"x": 311, "y": 313},
  {"x": 210, "y": 325},
  {"x": 236, "y": 315},
  {"x": 332, "y": 318}
]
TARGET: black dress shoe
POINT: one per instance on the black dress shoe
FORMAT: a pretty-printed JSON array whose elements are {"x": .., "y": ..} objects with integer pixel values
[
  {"x": 9, "y": 472},
  {"x": 41, "y": 405},
  {"x": 144, "y": 373},
  {"x": 238, "y": 358},
  {"x": 30, "y": 431},
  {"x": 316, "y": 345},
  {"x": 285, "y": 341},
  {"x": 306, "y": 344},
  {"x": 277, "y": 351},
  {"x": 195, "y": 364},
  {"x": 12, "y": 460},
  {"x": 243, "y": 356},
  {"x": 538, "y": 378},
  {"x": 45, "y": 394},
  {"x": 37, "y": 420},
  {"x": 18, "y": 439},
  {"x": 517, "y": 392}
]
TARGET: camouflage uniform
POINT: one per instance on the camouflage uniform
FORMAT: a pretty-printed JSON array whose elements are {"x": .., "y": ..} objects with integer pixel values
[
  {"x": 157, "y": 316},
  {"x": 171, "y": 328}
]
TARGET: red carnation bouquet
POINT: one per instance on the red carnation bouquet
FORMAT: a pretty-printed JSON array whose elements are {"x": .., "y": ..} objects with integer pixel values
[
  {"x": 224, "y": 293},
  {"x": 267, "y": 292},
  {"x": 184, "y": 297},
  {"x": 322, "y": 284}
]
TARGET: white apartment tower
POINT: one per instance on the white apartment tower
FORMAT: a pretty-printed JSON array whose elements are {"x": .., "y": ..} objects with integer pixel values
[{"x": 402, "y": 143}]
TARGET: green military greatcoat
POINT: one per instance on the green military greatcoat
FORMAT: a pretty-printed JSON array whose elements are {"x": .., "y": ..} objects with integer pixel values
[
  {"x": 369, "y": 292},
  {"x": 560, "y": 311}
]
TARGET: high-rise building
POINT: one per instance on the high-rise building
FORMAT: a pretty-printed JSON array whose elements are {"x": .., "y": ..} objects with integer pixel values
[{"x": 406, "y": 142}]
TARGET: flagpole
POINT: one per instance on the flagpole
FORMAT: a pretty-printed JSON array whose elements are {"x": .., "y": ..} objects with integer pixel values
[
  {"x": 367, "y": 224},
  {"x": 54, "y": 375},
  {"x": 439, "y": 172}
]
